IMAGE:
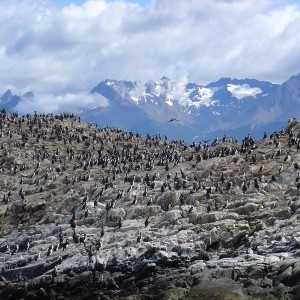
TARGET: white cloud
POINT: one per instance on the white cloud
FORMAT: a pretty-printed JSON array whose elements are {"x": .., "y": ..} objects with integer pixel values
[
  {"x": 46, "y": 103},
  {"x": 242, "y": 91},
  {"x": 59, "y": 50}
]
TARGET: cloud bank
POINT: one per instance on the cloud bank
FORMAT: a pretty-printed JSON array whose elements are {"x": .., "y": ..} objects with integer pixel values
[
  {"x": 70, "y": 49},
  {"x": 47, "y": 103}
]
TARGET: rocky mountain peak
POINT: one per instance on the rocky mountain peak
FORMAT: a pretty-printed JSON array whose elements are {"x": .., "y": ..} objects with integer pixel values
[
  {"x": 28, "y": 95},
  {"x": 6, "y": 96},
  {"x": 8, "y": 101},
  {"x": 295, "y": 78},
  {"x": 164, "y": 78}
]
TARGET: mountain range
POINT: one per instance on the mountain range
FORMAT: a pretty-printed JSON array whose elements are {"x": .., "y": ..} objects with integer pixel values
[{"x": 189, "y": 111}]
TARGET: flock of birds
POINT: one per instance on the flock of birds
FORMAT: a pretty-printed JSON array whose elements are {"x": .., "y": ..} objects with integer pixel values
[{"x": 139, "y": 168}]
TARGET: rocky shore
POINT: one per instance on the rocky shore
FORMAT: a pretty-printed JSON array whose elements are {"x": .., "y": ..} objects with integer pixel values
[{"x": 89, "y": 213}]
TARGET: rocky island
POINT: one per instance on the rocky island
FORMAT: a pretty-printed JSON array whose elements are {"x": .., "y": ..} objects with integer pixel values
[{"x": 100, "y": 213}]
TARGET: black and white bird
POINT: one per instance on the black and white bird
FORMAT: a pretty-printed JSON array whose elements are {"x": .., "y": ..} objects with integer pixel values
[
  {"x": 50, "y": 250},
  {"x": 190, "y": 210},
  {"x": 139, "y": 238},
  {"x": 65, "y": 244},
  {"x": 54, "y": 274},
  {"x": 256, "y": 184},
  {"x": 261, "y": 167},
  {"x": 296, "y": 165},
  {"x": 134, "y": 200},
  {"x": 102, "y": 232},
  {"x": 27, "y": 245},
  {"x": 37, "y": 257},
  {"x": 82, "y": 239},
  {"x": 280, "y": 170},
  {"x": 15, "y": 249},
  {"x": 145, "y": 192},
  {"x": 228, "y": 185},
  {"x": 120, "y": 224},
  {"x": 150, "y": 202},
  {"x": 222, "y": 178}
]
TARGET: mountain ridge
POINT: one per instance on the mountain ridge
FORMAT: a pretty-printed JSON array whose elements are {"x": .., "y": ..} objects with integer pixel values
[{"x": 200, "y": 110}]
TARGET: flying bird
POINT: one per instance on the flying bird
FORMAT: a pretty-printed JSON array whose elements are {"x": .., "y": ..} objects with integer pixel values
[{"x": 173, "y": 119}]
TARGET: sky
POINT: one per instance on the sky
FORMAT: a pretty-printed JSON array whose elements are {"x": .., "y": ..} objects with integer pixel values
[
  {"x": 60, "y": 48},
  {"x": 80, "y": 2}
]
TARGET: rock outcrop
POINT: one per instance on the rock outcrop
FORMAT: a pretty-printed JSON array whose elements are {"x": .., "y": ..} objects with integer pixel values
[{"x": 89, "y": 213}]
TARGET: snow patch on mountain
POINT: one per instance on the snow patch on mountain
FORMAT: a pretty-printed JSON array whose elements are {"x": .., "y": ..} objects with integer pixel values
[
  {"x": 169, "y": 100},
  {"x": 135, "y": 99},
  {"x": 168, "y": 91},
  {"x": 110, "y": 83},
  {"x": 242, "y": 91},
  {"x": 137, "y": 93},
  {"x": 197, "y": 97}
]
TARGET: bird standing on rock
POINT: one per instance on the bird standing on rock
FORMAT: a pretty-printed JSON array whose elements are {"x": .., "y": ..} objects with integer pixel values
[
  {"x": 98, "y": 244},
  {"x": 228, "y": 185},
  {"x": 95, "y": 203},
  {"x": 60, "y": 235},
  {"x": 73, "y": 223},
  {"x": 75, "y": 237},
  {"x": 147, "y": 222},
  {"x": 256, "y": 184},
  {"x": 37, "y": 256},
  {"x": 73, "y": 216},
  {"x": 139, "y": 238},
  {"x": 102, "y": 232},
  {"x": 280, "y": 170},
  {"x": 222, "y": 178},
  {"x": 65, "y": 244},
  {"x": 145, "y": 192},
  {"x": 149, "y": 202},
  {"x": 82, "y": 239},
  {"x": 134, "y": 200},
  {"x": 261, "y": 168},
  {"x": 56, "y": 247},
  {"x": 50, "y": 250},
  {"x": 27, "y": 245},
  {"x": 296, "y": 165},
  {"x": 15, "y": 250},
  {"x": 54, "y": 273},
  {"x": 120, "y": 223}
]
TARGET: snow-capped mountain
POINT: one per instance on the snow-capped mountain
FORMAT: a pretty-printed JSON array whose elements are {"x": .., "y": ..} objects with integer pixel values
[
  {"x": 228, "y": 105},
  {"x": 183, "y": 110}
]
